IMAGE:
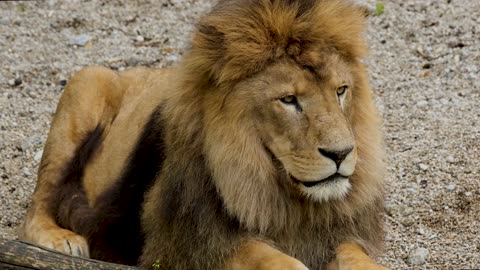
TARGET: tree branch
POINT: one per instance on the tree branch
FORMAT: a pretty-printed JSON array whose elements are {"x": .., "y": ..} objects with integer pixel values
[{"x": 17, "y": 255}]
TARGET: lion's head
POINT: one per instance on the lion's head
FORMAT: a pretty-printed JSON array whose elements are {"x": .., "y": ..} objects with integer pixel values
[{"x": 290, "y": 131}]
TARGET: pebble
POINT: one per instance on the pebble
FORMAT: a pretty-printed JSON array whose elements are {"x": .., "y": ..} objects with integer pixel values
[
  {"x": 133, "y": 61},
  {"x": 140, "y": 38},
  {"x": 422, "y": 103},
  {"x": 450, "y": 159},
  {"x": 391, "y": 209},
  {"x": 26, "y": 172},
  {"x": 451, "y": 187},
  {"x": 424, "y": 183},
  {"x": 80, "y": 40},
  {"x": 407, "y": 222},
  {"x": 24, "y": 144},
  {"x": 418, "y": 256},
  {"x": 4, "y": 21},
  {"x": 15, "y": 82},
  {"x": 423, "y": 167},
  {"x": 38, "y": 155}
]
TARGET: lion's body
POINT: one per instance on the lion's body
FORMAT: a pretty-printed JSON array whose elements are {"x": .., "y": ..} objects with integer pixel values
[{"x": 208, "y": 166}]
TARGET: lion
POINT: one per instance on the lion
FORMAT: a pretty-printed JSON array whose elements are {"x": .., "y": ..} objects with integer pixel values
[{"x": 261, "y": 150}]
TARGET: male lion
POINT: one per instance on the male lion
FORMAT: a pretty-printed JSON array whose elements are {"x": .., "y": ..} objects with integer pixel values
[{"x": 261, "y": 150}]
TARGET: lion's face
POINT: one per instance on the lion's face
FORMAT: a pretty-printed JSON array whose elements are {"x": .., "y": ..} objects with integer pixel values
[{"x": 301, "y": 117}]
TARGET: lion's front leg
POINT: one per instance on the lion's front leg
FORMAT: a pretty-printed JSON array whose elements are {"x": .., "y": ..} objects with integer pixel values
[
  {"x": 261, "y": 256},
  {"x": 351, "y": 256},
  {"x": 83, "y": 110}
]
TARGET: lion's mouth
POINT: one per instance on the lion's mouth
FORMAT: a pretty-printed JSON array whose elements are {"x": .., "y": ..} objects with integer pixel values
[{"x": 332, "y": 178}]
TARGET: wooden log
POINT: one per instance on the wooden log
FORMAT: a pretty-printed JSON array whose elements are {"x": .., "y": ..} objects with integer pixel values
[{"x": 17, "y": 255}]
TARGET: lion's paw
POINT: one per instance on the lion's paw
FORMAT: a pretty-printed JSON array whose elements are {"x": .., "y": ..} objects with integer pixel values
[{"x": 64, "y": 241}]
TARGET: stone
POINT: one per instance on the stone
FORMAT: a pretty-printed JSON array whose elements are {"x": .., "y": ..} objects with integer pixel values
[
  {"x": 423, "y": 167},
  {"x": 422, "y": 103},
  {"x": 423, "y": 183},
  {"x": 450, "y": 159},
  {"x": 418, "y": 256},
  {"x": 407, "y": 222},
  {"x": 133, "y": 61},
  {"x": 80, "y": 40},
  {"x": 451, "y": 187},
  {"x": 26, "y": 172},
  {"x": 23, "y": 145},
  {"x": 38, "y": 155}
]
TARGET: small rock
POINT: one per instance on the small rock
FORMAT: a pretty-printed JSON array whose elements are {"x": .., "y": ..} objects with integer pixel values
[
  {"x": 80, "y": 40},
  {"x": 140, "y": 38},
  {"x": 52, "y": 3},
  {"x": 15, "y": 82},
  {"x": 4, "y": 21},
  {"x": 388, "y": 238},
  {"x": 133, "y": 61},
  {"x": 423, "y": 167},
  {"x": 391, "y": 209},
  {"x": 422, "y": 103},
  {"x": 407, "y": 211},
  {"x": 26, "y": 172},
  {"x": 407, "y": 222},
  {"x": 38, "y": 155},
  {"x": 23, "y": 145},
  {"x": 423, "y": 183},
  {"x": 444, "y": 101},
  {"x": 451, "y": 187},
  {"x": 450, "y": 159},
  {"x": 468, "y": 194},
  {"x": 418, "y": 256},
  {"x": 427, "y": 66}
]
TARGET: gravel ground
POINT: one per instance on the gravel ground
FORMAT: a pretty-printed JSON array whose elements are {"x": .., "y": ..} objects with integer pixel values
[{"x": 424, "y": 67}]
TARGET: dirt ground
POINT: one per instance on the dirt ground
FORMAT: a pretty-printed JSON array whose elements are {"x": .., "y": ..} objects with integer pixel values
[{"x": 424, "y": 68}]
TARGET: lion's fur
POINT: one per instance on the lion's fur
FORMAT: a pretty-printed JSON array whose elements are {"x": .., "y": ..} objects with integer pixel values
[{"x": 217, "y": 184}]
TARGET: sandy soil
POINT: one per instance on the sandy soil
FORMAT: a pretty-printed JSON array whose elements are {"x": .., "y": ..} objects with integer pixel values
[{"x": 424, "y": 67}]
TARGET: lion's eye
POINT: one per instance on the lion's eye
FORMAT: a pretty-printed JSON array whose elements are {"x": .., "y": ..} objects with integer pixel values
[
  {"x": 342, "y": 89},
  {"x": 290, "y": 99}
]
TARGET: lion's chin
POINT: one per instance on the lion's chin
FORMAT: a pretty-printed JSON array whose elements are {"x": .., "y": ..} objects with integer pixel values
[{"x": 333, "y": 187}]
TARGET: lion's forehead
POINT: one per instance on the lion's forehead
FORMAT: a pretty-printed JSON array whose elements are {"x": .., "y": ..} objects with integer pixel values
[{"x": 287, "y": 76}]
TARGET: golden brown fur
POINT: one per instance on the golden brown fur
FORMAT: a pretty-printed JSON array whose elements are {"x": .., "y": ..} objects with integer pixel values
[{"x": 249, "y": 131}]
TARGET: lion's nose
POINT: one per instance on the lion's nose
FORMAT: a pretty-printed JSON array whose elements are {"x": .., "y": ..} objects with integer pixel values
[{"x": 337, "y": 156}]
